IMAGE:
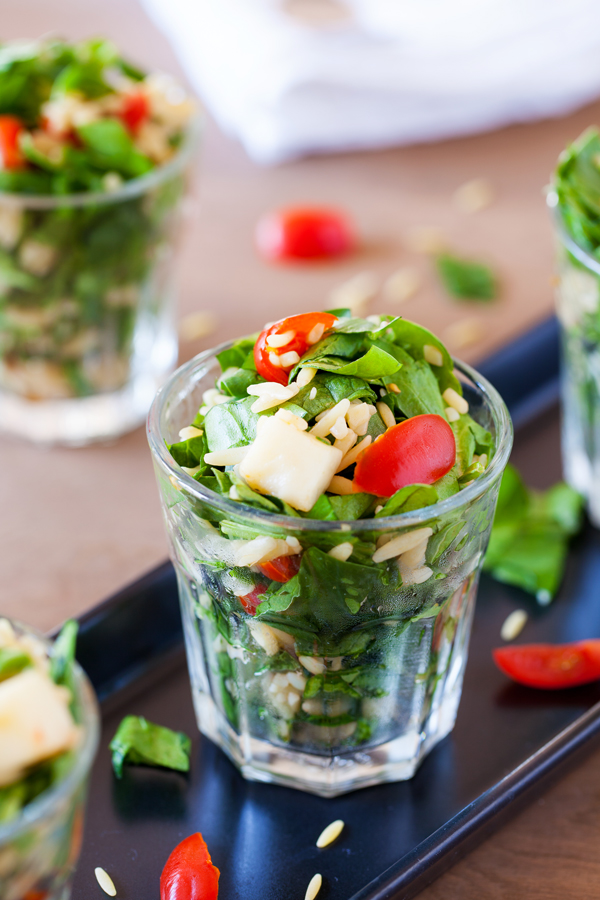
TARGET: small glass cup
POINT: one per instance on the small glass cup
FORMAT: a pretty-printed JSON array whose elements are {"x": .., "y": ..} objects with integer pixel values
[
  {"x": 40, "y": 847},
  {"x": 352, "y": 687},
  {"x": 87, "y": 329},
  {"x": 578, "y": 311}
]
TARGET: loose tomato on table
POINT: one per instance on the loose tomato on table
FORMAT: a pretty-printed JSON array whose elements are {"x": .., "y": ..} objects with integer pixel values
[
  {"x": 189, "y": 873},
  {"x": 304, "y": 232},
  {"x": 135, "y": 111},
  {"x": 417, "y": 451},
  {"x": 281, "y": 569},
  {"x": 274, "y": 360},
  {"x": 551, "y": 666},
  {"x": 251, "y": 601},
  {"x": 10, "y": 152}
]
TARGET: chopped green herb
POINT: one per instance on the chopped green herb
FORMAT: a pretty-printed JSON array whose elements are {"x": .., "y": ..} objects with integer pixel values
[
  {"x": 466, "y": 279},
  {"x": 530, "y": 535},
  {"x": 140, "y": 742}
]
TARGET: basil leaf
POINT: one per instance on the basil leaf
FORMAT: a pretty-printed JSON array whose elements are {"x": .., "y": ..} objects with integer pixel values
[
  {"x": 62, "y": 654},
  {"x": 189, "y": 453},
  {"x": 140, "y": 742},
  {"x": 419, "y": 389},
  {"x": 465, "y": 279},
  {"x": 352, "y": 506},
  {"x": 322, "y": 509},
  {"x": 375, "y": 363},
  {"x": 111, "y": 147},
  {"x": 237, "y": 354},
  {"x": 231, "y": 424},
  {"x": 12, "y": 661},
  {"x": 236, "y": 382},
  {"x": 413, "y": 338},
  {"x": 529, "y": 540},
  {"x": 413, "y": 496}
]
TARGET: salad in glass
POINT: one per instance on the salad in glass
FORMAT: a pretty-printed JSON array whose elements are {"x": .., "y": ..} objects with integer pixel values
[
  {"x": 575, "y": 200},
  {"x": 328, "y": 497},
  {"x": 48, "y": 738},
  {"x": 93, "y": 162}
]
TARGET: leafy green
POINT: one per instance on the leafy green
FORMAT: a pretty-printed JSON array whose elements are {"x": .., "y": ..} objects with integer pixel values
[
  {"x": 189, "y": 453},
  {"x": 465, "y": 279},
  {"x": 62, "y": 654},
  {"x": 352, "y": 506},
  {"x": 529, "y": 540},
  {"x": 375, "y": 363},
  {"x": 413, "y": 338},
  {"x": 140, "y": 742},
  {"x": 12, "y": 661},
  {"x": 419, "y": 388},
  {"x": 231, "y": 424},
  {"x": 577, "y": 183}
]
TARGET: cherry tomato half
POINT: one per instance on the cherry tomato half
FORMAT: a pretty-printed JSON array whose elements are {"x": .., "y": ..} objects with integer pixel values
[
  {"x": 251, "y": 601},
  {"x": 551, "y": 666},
  {"x": 301, "y": 233},
  {"x": 281, "y": 569},
  {"x": 135, "y": 111},
  {"x": 10, "y": 153},
  {"x": 189, "y": 873},
  {"x": 417, "y": 451},
  {"x": 303, "y": 330}
]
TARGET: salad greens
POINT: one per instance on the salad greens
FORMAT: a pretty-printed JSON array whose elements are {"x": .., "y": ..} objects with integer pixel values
[
  {"x": 78, "y": 282},
  {"x": 466, "y": 279},
  {"x": 327, "y": 640},
  {"x": 530, "y": 536},
  {"x": 576, "y": 186},
  {"x": 16, "y": 656},
  {"x": 140, "y": 742}
]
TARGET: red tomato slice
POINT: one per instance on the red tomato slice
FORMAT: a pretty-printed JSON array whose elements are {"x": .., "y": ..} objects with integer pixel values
[
  {"x": 304, "y": 330},
  {"x": 135, "y": 111},
  {"x": 551, "y": 666},
  {"x": 417, "y": 451},
  {"x": 281, "y": 569},
  {"x": 189, "y": 873},
  {"x": 10, "y": 153},
  {"x": 298, "y": 233},
  {"x": 251, "y": 601}
]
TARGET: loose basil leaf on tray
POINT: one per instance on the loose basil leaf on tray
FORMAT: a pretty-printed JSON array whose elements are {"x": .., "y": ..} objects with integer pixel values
[
  {"x": 140, "y": 742},
  {"x": 530, "y": 536}
]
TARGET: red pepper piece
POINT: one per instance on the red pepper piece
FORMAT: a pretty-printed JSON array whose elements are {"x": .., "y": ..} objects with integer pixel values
[{"x": 189, "y": 873}]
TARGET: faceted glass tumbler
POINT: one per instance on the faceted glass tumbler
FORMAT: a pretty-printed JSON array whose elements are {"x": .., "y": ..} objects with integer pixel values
[
  {"x": 87, "y": 326},
  {"x": 356, "y": 679},
  {"x": 578, "y": 311},
  {"x": 40, "y": 847}
]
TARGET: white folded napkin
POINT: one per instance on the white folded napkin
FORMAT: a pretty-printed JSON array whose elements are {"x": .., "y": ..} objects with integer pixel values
[{"x": 392, "y": 72}]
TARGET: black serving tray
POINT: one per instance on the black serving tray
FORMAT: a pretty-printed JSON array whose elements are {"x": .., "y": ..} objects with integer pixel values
[{"x": 507, "y": 743}]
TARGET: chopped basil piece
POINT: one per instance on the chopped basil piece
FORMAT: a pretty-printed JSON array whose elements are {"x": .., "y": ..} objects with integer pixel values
[{"x": 140, "y": 742}]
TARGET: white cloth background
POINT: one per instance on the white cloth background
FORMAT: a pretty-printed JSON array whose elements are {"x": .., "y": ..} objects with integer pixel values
[{"x": 394, "y": 72}]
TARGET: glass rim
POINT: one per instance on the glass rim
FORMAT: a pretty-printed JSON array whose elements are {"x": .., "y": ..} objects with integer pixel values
[
  {"x": 129, "y": 189},
  {"x": 42, "y": 806},
  {"x": 182, "y": 376},
  {"x": 566, "y": 239}
]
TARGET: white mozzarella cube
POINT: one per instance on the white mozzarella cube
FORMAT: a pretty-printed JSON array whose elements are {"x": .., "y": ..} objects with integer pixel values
[
  {"x": 35, "y": 722},
  {"x": 289, "y": 464}
]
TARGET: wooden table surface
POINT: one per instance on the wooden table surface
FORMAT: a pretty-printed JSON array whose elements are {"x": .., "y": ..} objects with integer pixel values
[{"x": 78, "y": 524}]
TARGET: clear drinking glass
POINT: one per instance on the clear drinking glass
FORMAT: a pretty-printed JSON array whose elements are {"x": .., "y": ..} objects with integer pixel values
[
  {"x": 87, "y": 331},
  {"x": 348, "y": 688},
  {"x": 578, "y": 310},
  {"x": 40, "y": 847}
]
